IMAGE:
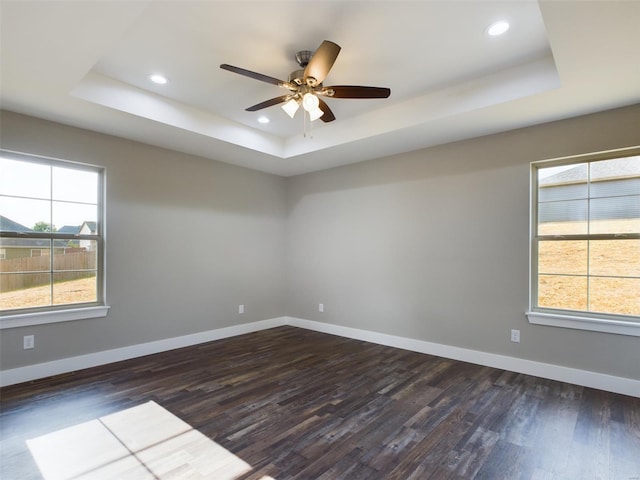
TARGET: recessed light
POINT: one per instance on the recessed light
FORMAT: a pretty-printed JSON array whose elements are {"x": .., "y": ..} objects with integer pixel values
[
  {"x": 497, "y": 28},
  {"x": 159, "y": 79},
  {"x": 263, "y": 119}
]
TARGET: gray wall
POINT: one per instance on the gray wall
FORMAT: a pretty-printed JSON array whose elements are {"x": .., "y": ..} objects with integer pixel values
[
  {"x": 433, "y": 244},
  {"x": 188, "y": 240}
]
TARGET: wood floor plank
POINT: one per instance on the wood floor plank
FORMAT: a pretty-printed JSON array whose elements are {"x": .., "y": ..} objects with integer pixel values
[{"x": 295, "y": 404}]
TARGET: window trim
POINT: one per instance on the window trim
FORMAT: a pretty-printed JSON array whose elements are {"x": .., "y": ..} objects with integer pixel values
[
  {"x": 72, "y": 311},
  {"x": 573, "y": 319},
  {"x": 53, "y": 316},
  {"x": 577, "y": 322}
]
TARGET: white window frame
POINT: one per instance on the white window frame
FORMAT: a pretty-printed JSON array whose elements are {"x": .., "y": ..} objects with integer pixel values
[
  {"x": 68, "y": 312},
  {"x": 581, "y": 320}
]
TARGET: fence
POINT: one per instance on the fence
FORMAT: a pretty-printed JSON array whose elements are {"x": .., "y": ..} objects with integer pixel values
[{"x": 27, "y": 272}]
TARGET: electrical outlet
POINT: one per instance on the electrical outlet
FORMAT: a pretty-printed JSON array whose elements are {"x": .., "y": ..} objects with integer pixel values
[
  {"x": 240, "y": 309},
  {"x": 28, "y": 341},
  {"x": 515, "y": 336},
  {"x": 321, "y": 307}
]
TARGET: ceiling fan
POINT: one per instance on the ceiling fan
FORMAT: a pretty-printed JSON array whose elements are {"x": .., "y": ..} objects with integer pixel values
[{"x": 305, "y": 85}]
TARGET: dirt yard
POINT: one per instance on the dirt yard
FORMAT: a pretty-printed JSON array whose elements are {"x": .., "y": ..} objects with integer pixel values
[
  {"x": 74, "y": 291},
  {"x": 578, "y": 257}
]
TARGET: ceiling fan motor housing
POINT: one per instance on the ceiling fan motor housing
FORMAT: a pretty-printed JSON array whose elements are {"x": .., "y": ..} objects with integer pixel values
[
  {"x": 297, "y": 76},
  {"x": 303, "y": 57}
]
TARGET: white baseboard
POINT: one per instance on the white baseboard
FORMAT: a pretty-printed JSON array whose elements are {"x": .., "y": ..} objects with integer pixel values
[
  {"x": 66, "y": 365},
  {"x": 625, "y": 386},
  {"x": 601, "y": 381}
]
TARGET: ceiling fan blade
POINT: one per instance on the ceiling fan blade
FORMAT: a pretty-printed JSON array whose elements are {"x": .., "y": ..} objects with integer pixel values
[
  {"x": 328, "y": 114},
  {"x": 254, "y": 75},
  {"x": 322, "y": 61},
  {"x": 356, "y": 91},
  {"x": 268, "y": 103}
]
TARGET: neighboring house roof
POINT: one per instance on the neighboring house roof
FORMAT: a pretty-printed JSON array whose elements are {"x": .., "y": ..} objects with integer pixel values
[
  {"x": 92, "y": 226},
  {"x": 74, "y": 229},
  {"x": 8, "y": 225},
  {"x": 604, "y": 170}
]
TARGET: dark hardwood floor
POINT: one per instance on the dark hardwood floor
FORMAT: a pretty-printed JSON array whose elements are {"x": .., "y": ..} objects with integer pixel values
[{"x": 297, "y": 404}]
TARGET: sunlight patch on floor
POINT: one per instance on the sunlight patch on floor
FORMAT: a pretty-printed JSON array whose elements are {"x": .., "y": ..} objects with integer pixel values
[{"x": 143, "y": 442}]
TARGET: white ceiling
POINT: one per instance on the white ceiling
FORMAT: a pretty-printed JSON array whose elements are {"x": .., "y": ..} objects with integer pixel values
[{"x": 86, "y": 64}]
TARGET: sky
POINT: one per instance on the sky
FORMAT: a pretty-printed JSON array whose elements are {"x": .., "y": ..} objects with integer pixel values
[{"x": 34, "y": 192}]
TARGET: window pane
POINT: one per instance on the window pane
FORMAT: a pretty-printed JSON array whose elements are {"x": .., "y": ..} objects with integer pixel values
[
  {"x": 615, "y": 168},
  {"x": 623, "y": 225},
  {"x": 562, "y": 218},
  {"x": 614, "y": 188},
  {"x": 563, "y": 211},
  {"x": 74, "y": 287},
  {"x": 24, "y": 179},
  {"x": 25, "y": 255},
  {"x": 75, "y": 255},
  {"x": 563, "y": 257},
  {"x": 75, "y": 185},
  {"x": 615, "y": 295},
  {"x": 619, "y": 258},
  {"x": 615, "y": 214},
  {"x": 24, "y": 290},
  {"x": 563, "y": 292},
  {"x": 75, "y": 215},
  {"x": 553, "y": 193},
  {"x": 563, "y": 183},
  {"x": 22, "y": 215}
]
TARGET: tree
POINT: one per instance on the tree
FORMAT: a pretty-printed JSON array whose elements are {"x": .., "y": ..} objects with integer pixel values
[{"x": 44, "y": 227}]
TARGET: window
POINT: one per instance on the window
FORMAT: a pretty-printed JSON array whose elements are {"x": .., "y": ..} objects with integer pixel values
[
  {"x": 585, "y": 248},
  {"x": 52, "y": 238}
]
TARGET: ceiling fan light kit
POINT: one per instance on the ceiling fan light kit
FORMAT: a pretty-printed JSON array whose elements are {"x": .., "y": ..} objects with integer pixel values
[
  {"x": 305, "y": 85},
  {"x": 291, "y": 107},
  {"x": 315, "y": 114},
  {"x": 310, "y": 102}
]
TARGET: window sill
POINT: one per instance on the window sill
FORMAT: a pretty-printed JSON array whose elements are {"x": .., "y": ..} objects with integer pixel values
[
  {"x": 54, "y": 316},
  {"x": 620, "y": 327}
]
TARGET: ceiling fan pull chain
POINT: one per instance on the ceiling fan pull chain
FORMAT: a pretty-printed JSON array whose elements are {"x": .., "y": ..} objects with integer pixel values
[
  {"x": 307, "y": 115},
  {"x": 304, "y": 122}
]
